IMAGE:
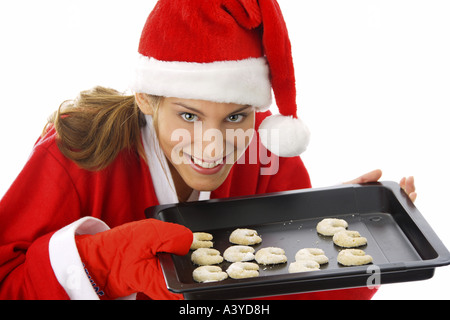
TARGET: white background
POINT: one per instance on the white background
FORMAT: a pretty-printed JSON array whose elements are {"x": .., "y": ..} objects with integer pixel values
[{"x": 373, "y": 80}]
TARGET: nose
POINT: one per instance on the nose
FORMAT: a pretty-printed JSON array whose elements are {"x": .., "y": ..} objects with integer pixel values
[{"x": 209, "y": 142}]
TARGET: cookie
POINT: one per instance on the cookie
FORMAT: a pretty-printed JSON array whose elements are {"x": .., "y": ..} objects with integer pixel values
[
  {"x": 241, "y": 270},
  {"x": 303, "y": 266},
  {"x": 209, "y": 274},
  {"x": 353, "y": 257},
  {"x": 270, "y": 255},
  {"x": 202, "y": 240},
  {"x": 206, "y": 256},
  {"x": 246, "y": 237},
  {"x": 349, "y": 239},
  {"x": 239, "y": 253},
  {"x": 315, "y": 254},
  {"x": 329, "y": 226}
]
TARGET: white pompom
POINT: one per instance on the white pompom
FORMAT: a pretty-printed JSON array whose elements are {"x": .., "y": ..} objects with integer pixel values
[{"x": 284, "y": 136}]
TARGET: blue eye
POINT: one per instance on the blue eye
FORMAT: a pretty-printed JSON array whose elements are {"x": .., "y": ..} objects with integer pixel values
[{"x": 189, "y": 117}]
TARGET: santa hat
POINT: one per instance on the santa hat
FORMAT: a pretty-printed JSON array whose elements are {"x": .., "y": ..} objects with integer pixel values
[{"x": 232, "y": 51}]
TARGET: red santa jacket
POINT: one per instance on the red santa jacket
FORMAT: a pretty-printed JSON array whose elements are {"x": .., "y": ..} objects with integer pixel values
[{"x": 52, "y": 199}]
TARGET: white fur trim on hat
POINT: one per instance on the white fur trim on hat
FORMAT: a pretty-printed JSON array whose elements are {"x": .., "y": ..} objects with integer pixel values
[
  {"x": 242, "y": 82},
  {"x": 284, "y": 136}
]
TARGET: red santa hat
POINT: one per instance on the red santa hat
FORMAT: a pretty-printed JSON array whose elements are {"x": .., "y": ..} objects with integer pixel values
[{"x": 232, "y": 51}]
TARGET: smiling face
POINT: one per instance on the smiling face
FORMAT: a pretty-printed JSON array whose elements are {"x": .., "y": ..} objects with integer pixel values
[{"x": 201, "y": 139}]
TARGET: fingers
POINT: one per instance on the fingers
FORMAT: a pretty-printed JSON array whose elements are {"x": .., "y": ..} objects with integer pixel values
[
  {"x": 409, "y": 186},
  {"x": 402, "y": 183},
  {"x": 406, "y": 184},
  {"x": 371, "y": 176}
]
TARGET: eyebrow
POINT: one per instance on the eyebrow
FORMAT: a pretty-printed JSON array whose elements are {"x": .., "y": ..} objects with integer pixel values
[
  {"x": 189, "y": 108},
  {"x": 240, "y": 110},
  {"x": 202, "y": 114}
]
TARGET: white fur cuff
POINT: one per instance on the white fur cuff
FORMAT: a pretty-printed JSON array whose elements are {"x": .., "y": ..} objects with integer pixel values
[{"x": 66, "y": 262}]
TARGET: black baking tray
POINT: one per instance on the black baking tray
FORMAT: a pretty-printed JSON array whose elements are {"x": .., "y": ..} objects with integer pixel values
[{"x": 403, "y": 245}]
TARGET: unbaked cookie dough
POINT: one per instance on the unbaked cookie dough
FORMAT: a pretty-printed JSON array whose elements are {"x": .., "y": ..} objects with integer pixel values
[
  {"x": 246, "y": 237},
  {"x": 303, "y": 266},
  {"x": 202, "y": 240},
  {"x": 349, "y": 239},
  {"x": 270, "y": 255},
  {"x": 315, "y": 254},
  {"x": 353, "y": 257},
  {"x": 206, "y": 256},
  {"x": 209, "y": 274},
  {"x": 329, "y": 226},
  {"x": 239, "y": 253},
  {"x": 241, "y": 270}
]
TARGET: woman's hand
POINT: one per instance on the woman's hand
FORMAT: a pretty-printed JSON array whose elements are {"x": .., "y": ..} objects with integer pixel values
[{"x": 406, "y": 184}]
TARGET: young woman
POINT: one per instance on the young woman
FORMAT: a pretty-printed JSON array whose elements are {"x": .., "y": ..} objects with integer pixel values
[{"x": 72, "y": 223}]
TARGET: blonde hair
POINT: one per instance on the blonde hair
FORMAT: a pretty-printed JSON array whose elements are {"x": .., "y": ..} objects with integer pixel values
[{"x": 95, "y": 127}]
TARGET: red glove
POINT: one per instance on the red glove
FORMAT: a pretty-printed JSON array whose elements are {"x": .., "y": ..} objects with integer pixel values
[{"x": 122, "y": 261}]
